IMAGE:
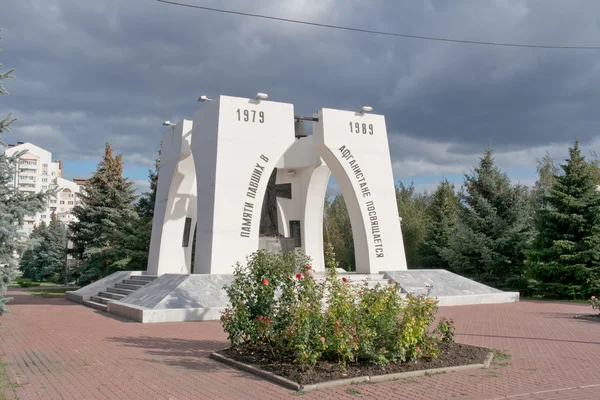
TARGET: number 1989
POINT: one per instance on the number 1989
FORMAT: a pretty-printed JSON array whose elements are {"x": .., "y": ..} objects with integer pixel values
[{"x": 357, "y": 127}]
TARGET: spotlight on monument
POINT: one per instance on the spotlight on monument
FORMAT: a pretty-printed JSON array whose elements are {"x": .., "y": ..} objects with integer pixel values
[
  {"x": 261, "y": 96},
  {"x": 202, "y": 99},
  {"x": 299, "y": 129},
  {"x": 168, "y": 123},
  {"x": 366, "y": 109}
]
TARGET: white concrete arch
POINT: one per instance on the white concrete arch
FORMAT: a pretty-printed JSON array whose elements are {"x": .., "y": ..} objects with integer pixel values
[
  {"x": 355, "y": 147},
  {"x": 236, "y": 144},
  {"x": 175, "y": 205}
]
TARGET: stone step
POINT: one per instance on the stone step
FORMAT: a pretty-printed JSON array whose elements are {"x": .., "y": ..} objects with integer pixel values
[
  {"x": 101, "y": 299},
  {"x": 110, "y": 295},
  {"x": 144, "y": 277},
  {"x": 120, "y": 291},
  {"x": 138, "y": 282},
  {"x": 91, "y": 303},
  {"x": 126, "y": 286}
]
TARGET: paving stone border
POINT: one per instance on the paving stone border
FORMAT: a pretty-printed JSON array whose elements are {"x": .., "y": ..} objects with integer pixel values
[
  {"x": 587, "y": 317},
  {"x": 349, "y": 381}
]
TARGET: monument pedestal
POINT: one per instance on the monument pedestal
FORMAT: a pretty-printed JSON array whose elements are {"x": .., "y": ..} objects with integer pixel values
[{"x": 276, "y": 244}]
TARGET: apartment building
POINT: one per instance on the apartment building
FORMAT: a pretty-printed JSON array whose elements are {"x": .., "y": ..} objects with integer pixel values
[{"x": 37, "y": 172}]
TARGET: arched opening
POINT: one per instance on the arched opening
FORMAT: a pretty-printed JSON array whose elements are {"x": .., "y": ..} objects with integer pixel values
[{"x": 337, "y": 229}]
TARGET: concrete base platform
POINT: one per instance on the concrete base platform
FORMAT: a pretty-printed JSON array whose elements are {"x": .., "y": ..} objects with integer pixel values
[
  {"x": 174, "y": 297},
  {"x": 450, "y": 289}
]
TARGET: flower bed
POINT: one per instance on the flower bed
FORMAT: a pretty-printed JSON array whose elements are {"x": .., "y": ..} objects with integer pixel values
[
  {"x": 283, "y": 320},
  {"x": 451, "y": 355}
]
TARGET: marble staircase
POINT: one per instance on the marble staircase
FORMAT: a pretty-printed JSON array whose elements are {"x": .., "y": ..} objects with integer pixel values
[{"x": 118, "y": 291}]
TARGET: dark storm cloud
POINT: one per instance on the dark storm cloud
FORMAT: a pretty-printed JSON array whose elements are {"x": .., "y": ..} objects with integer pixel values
[{"x": 90, "y": 72}]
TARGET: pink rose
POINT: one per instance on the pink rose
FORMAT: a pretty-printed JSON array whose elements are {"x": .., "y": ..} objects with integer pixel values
[
  {"x": 298, "y": 276},
  {"x": 344, "y": 279},
  {"x": 322, "y": 339},
  {"x": 593, "y": 297}
]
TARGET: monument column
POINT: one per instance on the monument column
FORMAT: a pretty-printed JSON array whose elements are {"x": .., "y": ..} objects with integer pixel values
[
  {"x": 175, "y": 206},
  {"x": 236, "y": 143},
  {"x": 355, "y": 147}
]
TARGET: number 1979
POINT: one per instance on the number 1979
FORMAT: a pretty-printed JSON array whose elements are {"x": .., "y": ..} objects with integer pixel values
[
  {"x": 357, "y": 127},
  {"x": 250, "y": 116}
]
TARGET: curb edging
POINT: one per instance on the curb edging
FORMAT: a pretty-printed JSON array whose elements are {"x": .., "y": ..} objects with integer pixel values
[
  {"x": 587, "y": 318},
  {"x": 348, "y": 381}
]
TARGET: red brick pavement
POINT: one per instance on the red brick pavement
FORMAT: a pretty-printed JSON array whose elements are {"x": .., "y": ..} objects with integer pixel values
[{"x": 54, "y": 349}]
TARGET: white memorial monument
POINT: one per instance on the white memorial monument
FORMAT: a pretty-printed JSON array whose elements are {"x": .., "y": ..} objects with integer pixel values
[{"x": 243, "y": 176}]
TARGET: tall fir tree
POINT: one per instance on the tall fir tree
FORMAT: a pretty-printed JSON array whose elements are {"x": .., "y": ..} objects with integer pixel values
[
  {"x": 412, "y": 208},
  {"x": 14, "y": 205},
  {"x": 565, "y": 259},
  {"x": 45, "y": 255},
  {"x": 106, "y": 218},
  {"x": 443, "y": 217},
  {"x": 30, "y": 262},
  {"x": 547, "y": 171},
  {"x": 494, "y": 228},
  {"x": 54, "y": 248}
]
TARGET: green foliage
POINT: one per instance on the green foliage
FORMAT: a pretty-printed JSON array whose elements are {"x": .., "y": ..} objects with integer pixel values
[
  {"x": 412, "y": 207},
  {"x": 595, "y": 303},
  {"x": 445, "y": 329},
  {"x": 338, "y": 232},
  {"x": 7, "y": 120},
  {"x": 45, "y": 256},
  {"x": 26, "y": 283},
  {"x": 14, "y": 205},
  {"x": 277, "y": 302},
  {"x": 252, "y": 295},
  {"x": 565, "y": 258},
  {"x": 547, "y": 172},
  {"x": 443, "y": 221},
  {"x": 105, "y": 235},
  {"x": 494, "y": 229}
]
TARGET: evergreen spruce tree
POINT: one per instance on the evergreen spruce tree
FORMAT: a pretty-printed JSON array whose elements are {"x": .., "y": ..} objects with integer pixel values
[
  {"x": 54, "y": 248},
  {"x": 443, "y": 217},
  {"x": 13, "y": 207},
  {"x": 30, "y": 262},
  {"x": 412, "y": 208},
  {"x": 547, "y": 171},
  {"x": 494, "y": 228},
  {"x": 106, "y": 218},
  {"x": 565, "y": 259},
  {"x": 145, "y": 204}
]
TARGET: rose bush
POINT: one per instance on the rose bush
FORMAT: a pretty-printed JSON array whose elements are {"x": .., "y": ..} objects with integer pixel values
[{"x": 276, "y": 301}]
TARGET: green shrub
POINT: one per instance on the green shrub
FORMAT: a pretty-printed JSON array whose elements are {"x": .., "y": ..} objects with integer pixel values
[
  {"x": 275, "y": 301},
  {"x": 25, "y": 283},
  {"x": 445, "y": 329},
  {"x": 595, "y": 303}
]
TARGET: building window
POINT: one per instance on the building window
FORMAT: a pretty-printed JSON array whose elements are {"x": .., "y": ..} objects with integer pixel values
[
  {"x": 52, "y": 201},
  {"x": 43, "y": 216},
  {"x": 45, "y": 165},
  {"x": 44, "y": 179},
  {"x": 70, "y": 203},
  {"x": 44, "y": 187},
  {"x": 62, "y": 202}
]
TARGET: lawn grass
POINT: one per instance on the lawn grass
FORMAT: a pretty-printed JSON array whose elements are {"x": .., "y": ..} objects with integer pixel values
[
  {"x": 16, "y": 283},
  {"x": 50, "y": 293}
]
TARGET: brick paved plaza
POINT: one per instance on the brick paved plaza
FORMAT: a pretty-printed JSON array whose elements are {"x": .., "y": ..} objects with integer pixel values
[{"x": 54, "y": 349}]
